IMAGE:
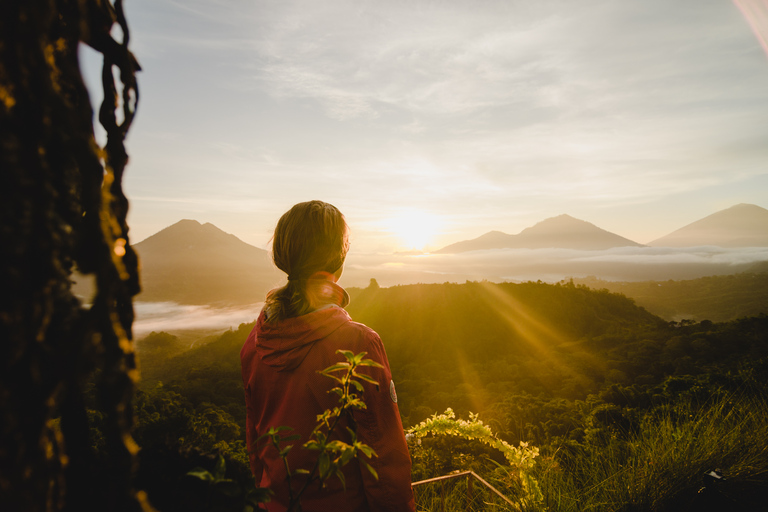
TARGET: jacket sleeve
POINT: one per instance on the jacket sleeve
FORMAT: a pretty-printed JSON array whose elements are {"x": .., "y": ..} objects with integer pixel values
[
  {"x": 379, "y": 426},
  {"x": 246, "y": 359}
]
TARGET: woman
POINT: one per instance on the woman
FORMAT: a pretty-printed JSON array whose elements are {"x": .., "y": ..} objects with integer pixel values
[{"x": 297, "y": 334}]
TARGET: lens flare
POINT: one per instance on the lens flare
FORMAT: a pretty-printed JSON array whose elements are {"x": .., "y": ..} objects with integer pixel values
[{"x": 756, "y": 14}]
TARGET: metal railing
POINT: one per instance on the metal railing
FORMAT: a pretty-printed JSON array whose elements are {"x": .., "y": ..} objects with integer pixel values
[{"x": 470, "y": 476}]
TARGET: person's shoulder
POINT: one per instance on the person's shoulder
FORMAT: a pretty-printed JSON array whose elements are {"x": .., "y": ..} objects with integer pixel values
[
  {"x": 360, "y": 332},
  {"x": 360, "y": 327}
]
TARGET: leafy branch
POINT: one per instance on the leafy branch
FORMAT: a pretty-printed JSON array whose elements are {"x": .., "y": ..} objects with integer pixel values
[{"x": 333, "y": 454}]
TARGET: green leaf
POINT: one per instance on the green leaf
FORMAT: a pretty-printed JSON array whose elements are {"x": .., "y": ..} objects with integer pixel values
[
  {"x": 367, "y": 450},
  {"x": 349, "y": 355},
  {"x": 324, "y": 465},
  {"x": 302, "y": 472},
  {"x": 256, "y": 495},
  {"x": 339, "y": 474},
  {"x": 370, "y": 468},
  {"x": 337, "y": 446},
  {"x": 366, "y": 378},
  {"x": 294, "y": 437},
  {"x": 370, "y": 362},
  {"x": 284, "y": 451},
  {"x": 347, "y": 455},
  {"x": 337, "y": 379},
  {"x": 334, "y": 368},
  {"x": 220, "y": 468},
  {"x": 202, "y": 474},
  {"x": 356, "y": 403}
]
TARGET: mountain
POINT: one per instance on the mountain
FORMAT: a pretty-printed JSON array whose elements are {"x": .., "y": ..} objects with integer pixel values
[
  {"x": 563, "y": 232},
  {"x": 743, "y": 225},
  {"x": 193, "y": 263}
]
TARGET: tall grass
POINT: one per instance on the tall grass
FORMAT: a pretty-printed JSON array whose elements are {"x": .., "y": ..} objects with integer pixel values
[{"x": 661, "y": 467}]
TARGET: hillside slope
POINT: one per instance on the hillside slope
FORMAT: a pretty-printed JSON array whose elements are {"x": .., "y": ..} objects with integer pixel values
[
  {"x": 463, "y": 346},
  {"x": 743, "y": 225},
  {"x": 714, "y": 298}
]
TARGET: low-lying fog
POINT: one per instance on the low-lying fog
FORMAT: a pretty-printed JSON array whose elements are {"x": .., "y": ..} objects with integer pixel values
[
  {"x": 516, "y": 265},
  {"x": 172, "y": 318},
  {"x": 551, "y": 265}
]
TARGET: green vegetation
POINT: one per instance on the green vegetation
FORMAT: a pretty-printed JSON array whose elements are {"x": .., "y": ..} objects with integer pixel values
[
  {"x": 660, "y": 466},
  {"x": 715, "y": 298},
  {"x": 628, "y": 411},
  {"x": 520, "y": 461}
]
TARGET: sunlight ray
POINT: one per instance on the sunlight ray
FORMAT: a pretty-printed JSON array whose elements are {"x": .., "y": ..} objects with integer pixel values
[{"x": 539, "y": 337}]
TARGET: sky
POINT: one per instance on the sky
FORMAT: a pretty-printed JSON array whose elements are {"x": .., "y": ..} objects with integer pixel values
[{"x": 431, "y": 122}]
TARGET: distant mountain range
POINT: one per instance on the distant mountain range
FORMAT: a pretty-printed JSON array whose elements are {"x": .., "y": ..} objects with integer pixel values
[
  {"x": 743, "y": 225},
  {"x": 195, "y": 263},
  {"x": 562, "y": 232}
]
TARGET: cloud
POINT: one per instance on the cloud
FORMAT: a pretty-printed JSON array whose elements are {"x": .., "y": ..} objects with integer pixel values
[
  {"x": 472, "y": 110},
  {"x": 446, "y": 58}
]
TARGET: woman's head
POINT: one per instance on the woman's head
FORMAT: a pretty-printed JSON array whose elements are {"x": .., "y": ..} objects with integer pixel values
[{"x": 310, "y": 237}]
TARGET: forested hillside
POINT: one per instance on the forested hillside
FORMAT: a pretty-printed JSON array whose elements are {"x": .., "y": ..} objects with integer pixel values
[
  {"x": 714, "y": 298},
  {"x": 562, "y": 366}
]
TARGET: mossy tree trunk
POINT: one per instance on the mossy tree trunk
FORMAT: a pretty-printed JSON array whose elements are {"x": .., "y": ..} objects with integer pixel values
[{"x": 62, "y": 207}]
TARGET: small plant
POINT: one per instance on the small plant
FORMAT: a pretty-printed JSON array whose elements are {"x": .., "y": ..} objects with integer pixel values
[
  {"x": 520, "y": 459},
  {"x": 333, "y": 454}
]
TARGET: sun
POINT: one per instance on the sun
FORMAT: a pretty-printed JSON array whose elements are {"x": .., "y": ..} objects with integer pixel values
[{"x": 414, "y": 228}]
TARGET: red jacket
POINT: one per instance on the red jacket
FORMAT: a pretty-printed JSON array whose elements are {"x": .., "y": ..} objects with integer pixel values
[{"x": 282, "y": 387}]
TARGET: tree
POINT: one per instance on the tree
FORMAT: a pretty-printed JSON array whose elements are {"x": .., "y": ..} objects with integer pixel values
[{"x": 63, "y": 207}]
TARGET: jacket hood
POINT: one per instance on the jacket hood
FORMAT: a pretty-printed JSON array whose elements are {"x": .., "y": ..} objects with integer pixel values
[{"x": 285, "y": 344}]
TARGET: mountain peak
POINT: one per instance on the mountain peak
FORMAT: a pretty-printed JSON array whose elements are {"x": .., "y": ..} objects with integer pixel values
[
  {"x": 186, "y": 222},
  {"x": 566, "y": 232},
  {"x": 558, "y": 223},
  {"x": 741, "y": 225},
  {"x": 562, "y": 231},
  {"x": 189, "y": 234}
]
